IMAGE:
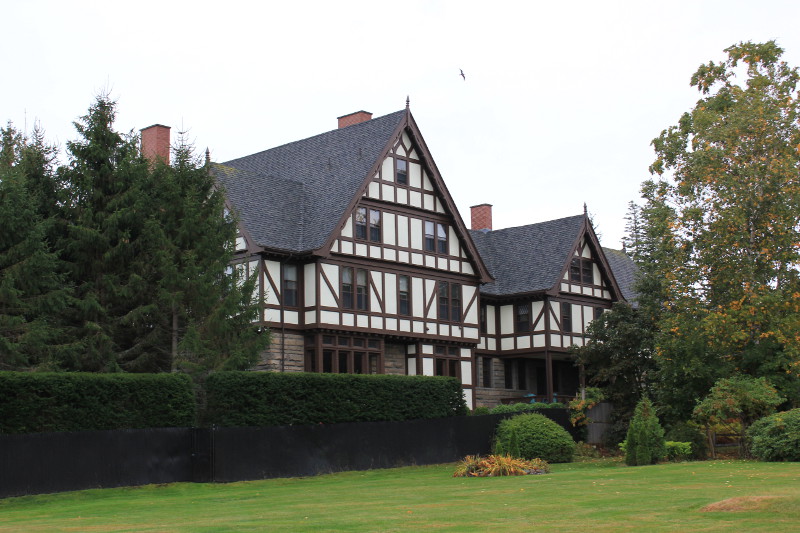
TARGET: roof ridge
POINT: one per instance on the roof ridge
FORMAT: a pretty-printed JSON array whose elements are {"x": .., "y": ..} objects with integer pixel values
[
  {"x": 531, "y": 225},
  {"x": 329, "y": 132}
]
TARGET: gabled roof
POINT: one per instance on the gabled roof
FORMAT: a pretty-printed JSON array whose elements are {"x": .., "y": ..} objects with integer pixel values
[
  {"x": 624, "y": 270},
  {"x": 291, "y": 198},
  {"x": 527, "y": 258}
]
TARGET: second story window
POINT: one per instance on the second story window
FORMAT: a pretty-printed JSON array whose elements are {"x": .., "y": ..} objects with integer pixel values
[
  {"x": 361, "y": 223},
  {"x": 449, "y": 301},
  {"x": 566, "y": 317},
  {"x": 523, "y": 313},
  {"x": 347, "y": 287},
  {"x": 483, "y": 319},
  {"x": 362, "y": 290},
  {"x": 404, "y": 295},
  {"x": 290, "y": 285}
]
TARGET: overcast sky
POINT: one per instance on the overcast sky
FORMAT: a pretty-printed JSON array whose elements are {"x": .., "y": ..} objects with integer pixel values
[{"x": 559, "y": 105}]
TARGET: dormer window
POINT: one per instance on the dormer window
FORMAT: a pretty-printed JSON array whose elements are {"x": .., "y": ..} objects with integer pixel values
[{"x": 401, "y": 171}]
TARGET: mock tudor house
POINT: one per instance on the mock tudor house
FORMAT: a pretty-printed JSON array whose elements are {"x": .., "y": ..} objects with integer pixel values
[{"x": 364, "y": 265}]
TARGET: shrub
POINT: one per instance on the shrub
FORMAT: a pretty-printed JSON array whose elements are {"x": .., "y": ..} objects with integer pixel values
[
  {"x": 776, "y": 437},
  {"x": 482, "y": 410},
  {"x": 678, "y": 451},
  {"x": 72, "y": 401},
  {"x": 688, "y": 432},
  {"x": 644, "y": 444},
  {"x": 276, "y": 399},
  {"x": 525, "y": 407},
  {"x": 499, "y": 465},
  {"x": 535, "y": 436}
]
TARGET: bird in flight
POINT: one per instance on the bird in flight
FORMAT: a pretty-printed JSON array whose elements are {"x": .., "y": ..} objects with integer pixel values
[{"x": 462, "y": 75}]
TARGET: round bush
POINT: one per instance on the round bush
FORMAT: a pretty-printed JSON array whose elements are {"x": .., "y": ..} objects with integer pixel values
[
  {"x": 534, "y": 436},
  {"x": 776, "y": 437}
]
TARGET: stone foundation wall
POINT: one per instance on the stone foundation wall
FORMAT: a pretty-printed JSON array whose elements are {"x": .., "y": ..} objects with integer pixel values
[
  {"x": 394, "y": 358},
  {"x": 293, "y": 345}
]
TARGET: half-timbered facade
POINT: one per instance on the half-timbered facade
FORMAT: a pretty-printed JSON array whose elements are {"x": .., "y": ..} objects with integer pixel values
[
  {"x": 363, "y": 262},
  {"x": 551, "y": 280},
  {"x": 364, "y": 265}
]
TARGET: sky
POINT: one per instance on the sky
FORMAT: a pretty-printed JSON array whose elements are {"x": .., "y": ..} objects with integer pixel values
[{"x": 560, "y": 102}]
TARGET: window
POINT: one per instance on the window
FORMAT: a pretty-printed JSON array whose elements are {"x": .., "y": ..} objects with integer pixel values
[
  {"x": 598, "y": 312},
  {"x": 404, "y": 295},
  {"x": 361, "y": 223},
  {"x": 290, "y": 285},
  {"x": 436, "y": 237},
  {"x": 401, "y": 171},
  {"x": 374, "y": 225},
  {"x": 581, "y": 271},
  {"x": 345, "y": 355},
  {"x": 347, "y": 287},
  {"x": 368, "y": 228},
  {"x": 523, "y": 313},
  {"x": 449, "y": 301},
  {"x": 522, "y": 374},
  {"x": 362, "y": 290},
  {"x": 441, "y": 238},
  {"x": 566, "y": 317},
  {"x": 486, "y": 371},
  {"x": 483, "y": 319},
  {"x": 446, "y": 361}
]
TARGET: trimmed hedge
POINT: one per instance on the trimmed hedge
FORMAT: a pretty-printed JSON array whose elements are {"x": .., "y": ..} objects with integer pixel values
[
  {"x": 776, "y": 437},
  {"x": 532, "y": 436},
  {"x": 525, "y": 407},
  {"x": 238, "y": 399},
  {"x": 44, "y": 402}
]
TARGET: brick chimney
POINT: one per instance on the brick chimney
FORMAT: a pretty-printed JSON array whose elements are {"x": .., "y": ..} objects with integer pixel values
[
  {"x": 482, "y": 217},
  {"x": 155, "y": 142},
  {"x": 354, "y": 118}
]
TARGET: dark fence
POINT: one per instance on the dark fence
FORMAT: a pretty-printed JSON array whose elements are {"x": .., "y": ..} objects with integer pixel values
[{"x": 53, "y": 462}]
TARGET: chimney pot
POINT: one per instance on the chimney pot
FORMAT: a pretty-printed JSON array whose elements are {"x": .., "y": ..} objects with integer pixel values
[
  {"x": 354, "y": 118},
  {"x": 481, "y": 217},
  {"x": 155, "y": 143}
]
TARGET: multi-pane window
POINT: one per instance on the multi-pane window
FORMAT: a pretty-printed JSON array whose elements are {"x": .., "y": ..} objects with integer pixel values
[
  {"x": 449, "y": 301},
  {"x": 435, "y": 237},
  {"x": 404, "y": 295},
  {"x": 290, "y": 285},
  {"x": 368, "y": 224},
  {"x": 446, "y": 361},
  {"x": 401, "y": 171},
  {"x": 374, "y": 225},
  {"x": 581, "y": 271},
  {"x": 566, "y": 317},
  {"x": 345, "y": 355},
  {"x": 362, "y": 290},
  {"x": 483, "y": 319},
  {"x": 598, "y": 312},
  {"x": 359, "y": 296},
  {"x": 523, "y": 314},
  {"x": 347, "y": 287}
]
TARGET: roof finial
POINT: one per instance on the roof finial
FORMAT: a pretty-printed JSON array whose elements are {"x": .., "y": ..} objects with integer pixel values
[
  {"x": 408, "y": 102},
  {"x": 585, "y": 211}
]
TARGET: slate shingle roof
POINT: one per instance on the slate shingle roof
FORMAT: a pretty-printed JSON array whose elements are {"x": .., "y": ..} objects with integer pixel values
[
  {"x": 527, "y": 258},
  {"x": 624, "y": 270},
  {"x": 291, "y": 197}
]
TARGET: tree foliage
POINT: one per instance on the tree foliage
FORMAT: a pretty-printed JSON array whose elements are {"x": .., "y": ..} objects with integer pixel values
[
  {"x": 114, "y": 263},
  {"x": 644, "y": 444}
]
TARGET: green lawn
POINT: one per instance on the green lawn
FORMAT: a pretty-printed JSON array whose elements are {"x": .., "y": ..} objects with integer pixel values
[{"x": 592, "y": 497}]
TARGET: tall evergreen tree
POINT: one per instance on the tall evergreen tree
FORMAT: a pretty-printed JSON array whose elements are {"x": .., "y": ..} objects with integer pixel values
[{"x": 32, "y": 291}]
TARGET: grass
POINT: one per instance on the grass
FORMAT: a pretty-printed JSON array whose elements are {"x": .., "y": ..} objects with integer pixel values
[{"x": 597, "y": 496}]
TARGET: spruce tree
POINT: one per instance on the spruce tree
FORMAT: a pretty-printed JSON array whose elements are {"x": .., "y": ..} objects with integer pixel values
[
  {"x": 644, "y": 444},
  {"x": 32, "y": 292}
]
